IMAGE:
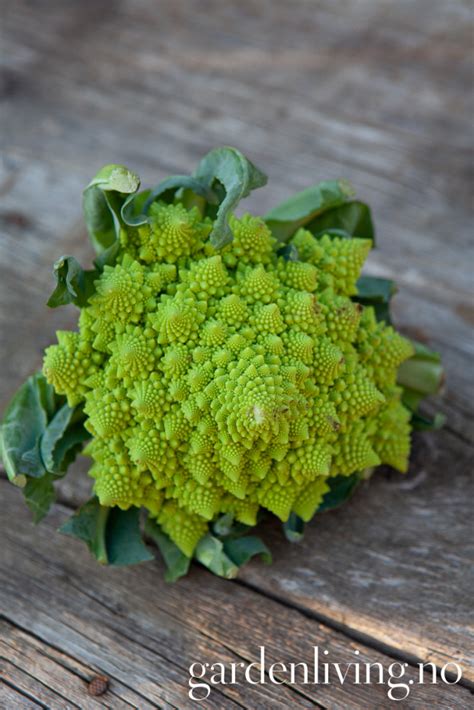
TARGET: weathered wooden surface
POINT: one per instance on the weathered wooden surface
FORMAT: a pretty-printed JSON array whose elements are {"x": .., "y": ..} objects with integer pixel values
[
  {"x": 144, "y": 634},
  {"x": 375, "y": 92}
]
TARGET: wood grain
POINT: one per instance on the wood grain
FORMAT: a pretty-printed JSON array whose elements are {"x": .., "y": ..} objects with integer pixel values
[
  {"x": 68, "y": 618},
  {"x": 375, "y": 92}
]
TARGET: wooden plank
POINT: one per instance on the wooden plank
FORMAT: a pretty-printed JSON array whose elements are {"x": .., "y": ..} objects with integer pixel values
[
  {"x": 13, "y": 698},
  {"x": 130, "y": 625},
  {"x": 53, "y": 677}
]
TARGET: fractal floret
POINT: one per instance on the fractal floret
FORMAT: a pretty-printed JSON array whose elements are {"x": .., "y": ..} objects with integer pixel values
[{"x": 229, "y": 365}]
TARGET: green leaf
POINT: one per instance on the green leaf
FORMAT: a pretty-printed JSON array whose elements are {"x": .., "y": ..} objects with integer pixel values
[
  {"x": 39, "y": 437},
  {"x": 340, "y": 490},
  {"x": 352, "y": 219},
  {"x": 226, "y": 526},
  {"x": 112, "y": 535},
  {"x": 210, "y": 553},
  {"x": 132, "y": 211},
  {"x": 294, "y": 528},
  {"x": 89, "y": 524},
  {"x": 135, "y": 209},
  {"x": 421, "y": 376},
  {"x": 67, "y": 448},
  {"x": 376, "y": 292},
  {"x": 423, "y": 373},
  {"x": 236, "y": 177},
  {"x": 176, "y": 562},
  {"x": 420, "y": 422},
  {"x": 74, "y": 284},
  {"x": 23, "y": 424},
  {"x": 240, "y": 550},
  {"x": 289, "y": 252},
  {"x": 123, "y": 538},
  {"x": 47, "y": 397},
  {"x": 32, "y": 462},
  {"x": 372, "y": 289},
  {"x": 167, "y": 189},
  {"x": 102, "y": 202},
  {"x": 39, "y": 495},
  {"x": 52, "y": 434},
  {"x": 301, "y": 209}
]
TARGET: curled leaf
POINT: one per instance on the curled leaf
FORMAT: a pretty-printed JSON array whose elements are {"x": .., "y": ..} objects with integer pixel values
[
  {"x": 237, "y": 177},
  {"x": 52, "y": 434},
  {"x": 301, "y": 209},
  {"x": 352, "y": 219},
  {"x": 102, "y": 203},
  {"x": 74, "y": 284},
  {"x": 241, "y": 549},
  {"x": 210, "y": 553}
]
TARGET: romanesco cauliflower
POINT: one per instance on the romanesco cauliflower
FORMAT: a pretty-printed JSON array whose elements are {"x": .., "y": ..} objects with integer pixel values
[
  {"x": 225, "y": 381},
  {"x": 223, "y": 365}
]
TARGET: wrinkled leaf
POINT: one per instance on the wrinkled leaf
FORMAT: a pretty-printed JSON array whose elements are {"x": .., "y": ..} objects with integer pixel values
[
  {"x": 352, "y": 219},
  {"x": 102, "y": 202},
  {"x": 124, "y": 541},
  {"x": 340, "y": 490},
  {"x": 23, "y": 424},
  {"x": 301, "y": 209},
  {"x": 89, "y": 524},
  {"x": 52, "y": 434},
  {"x": 294, "y": 528},
  {"x": 39, "y": 495},
  {"x": 74, "y": 284},
  {"x": 210, "y": 553},
  {"x": 236, "y": 177},
  {"x": 240, "y": 550},
  {"x": 177, "y": 564}
]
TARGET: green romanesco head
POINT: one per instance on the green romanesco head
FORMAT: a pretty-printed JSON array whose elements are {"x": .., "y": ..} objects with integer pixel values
[{"x": 222, "y": 382}]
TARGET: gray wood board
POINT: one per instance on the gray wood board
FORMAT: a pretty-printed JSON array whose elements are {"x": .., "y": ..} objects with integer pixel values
[{"x": 67, "y": 619}]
